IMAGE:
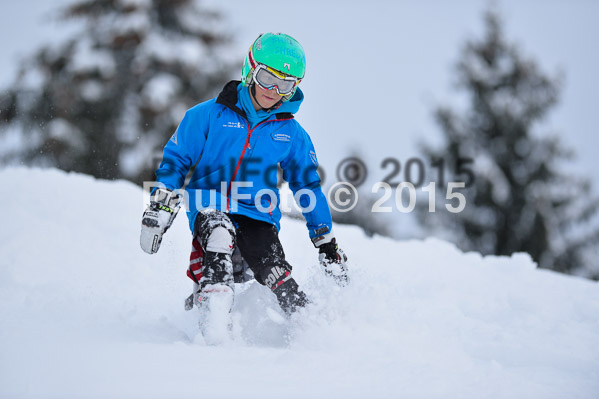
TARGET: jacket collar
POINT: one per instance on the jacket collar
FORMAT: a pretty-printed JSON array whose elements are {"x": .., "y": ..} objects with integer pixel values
[{"x": 229, "y": 98}]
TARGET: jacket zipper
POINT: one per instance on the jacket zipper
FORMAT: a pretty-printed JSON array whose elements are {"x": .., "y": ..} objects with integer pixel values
[{"x": 245, "y": 147}]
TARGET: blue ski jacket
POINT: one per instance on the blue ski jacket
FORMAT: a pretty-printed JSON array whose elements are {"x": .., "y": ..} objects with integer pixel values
[{"x": 236, "y": 161}]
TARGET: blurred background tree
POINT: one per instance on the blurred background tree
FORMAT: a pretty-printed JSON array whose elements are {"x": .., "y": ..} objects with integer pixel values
[
  {"x": 105, "y": 102},
  {"x": 520, "y": 199},
  {"x": 361, "y": 213}
]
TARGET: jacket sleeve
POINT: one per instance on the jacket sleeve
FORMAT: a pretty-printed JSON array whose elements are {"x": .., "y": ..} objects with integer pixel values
[
  {"x": 183, "y": 149},
  {"x": 300, "y": 171}
]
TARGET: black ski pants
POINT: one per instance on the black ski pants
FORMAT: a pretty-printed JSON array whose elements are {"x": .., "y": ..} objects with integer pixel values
[{"x": 258, "y": 243}]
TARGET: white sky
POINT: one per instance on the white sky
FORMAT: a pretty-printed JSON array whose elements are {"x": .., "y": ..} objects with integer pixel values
[{"x": 377, "y": 69}]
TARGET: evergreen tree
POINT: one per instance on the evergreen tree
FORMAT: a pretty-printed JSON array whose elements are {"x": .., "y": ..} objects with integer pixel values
[
  {"x": 105, "y": 102},
  {"x": 520, "y": 199}
]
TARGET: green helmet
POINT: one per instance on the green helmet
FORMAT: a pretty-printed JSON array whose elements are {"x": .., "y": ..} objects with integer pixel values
[{"x": 277, "y": 51}]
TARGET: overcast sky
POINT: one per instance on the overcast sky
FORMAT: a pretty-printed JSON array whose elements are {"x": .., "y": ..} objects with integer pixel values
[{"x": 377, "y": 69}]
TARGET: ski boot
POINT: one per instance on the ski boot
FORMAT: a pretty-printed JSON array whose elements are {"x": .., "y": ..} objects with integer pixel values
[{"x": 286, "y": 289}]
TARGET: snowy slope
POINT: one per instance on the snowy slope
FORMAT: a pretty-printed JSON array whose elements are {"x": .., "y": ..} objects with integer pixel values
[{"x": 84, "y": 313}]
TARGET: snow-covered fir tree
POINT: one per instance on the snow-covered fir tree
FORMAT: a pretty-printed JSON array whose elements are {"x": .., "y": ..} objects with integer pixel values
[
  {"x": 521, "y": 198},
  {"x": 102, "y": 102}
]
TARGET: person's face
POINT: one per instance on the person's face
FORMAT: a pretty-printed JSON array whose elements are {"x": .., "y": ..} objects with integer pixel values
[{"x": 265, "y": 98}]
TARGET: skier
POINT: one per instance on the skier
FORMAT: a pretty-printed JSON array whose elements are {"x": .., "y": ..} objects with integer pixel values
[{"x": 236, "y": 141}]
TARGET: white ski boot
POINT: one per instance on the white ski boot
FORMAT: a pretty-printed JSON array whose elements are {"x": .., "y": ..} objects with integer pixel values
[{"x": 214, "y": 304}]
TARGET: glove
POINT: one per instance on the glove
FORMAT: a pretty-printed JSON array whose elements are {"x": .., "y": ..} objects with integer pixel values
[
  {"x": 333, "y": 260},
  {"x": 157, "y": 218}
]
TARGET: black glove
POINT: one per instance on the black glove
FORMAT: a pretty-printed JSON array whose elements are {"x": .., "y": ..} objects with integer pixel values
[{"x": 333, "y": 260}]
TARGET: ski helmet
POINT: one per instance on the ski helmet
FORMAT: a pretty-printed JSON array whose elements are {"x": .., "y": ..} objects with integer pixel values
[{"x": 278, "y": 51}]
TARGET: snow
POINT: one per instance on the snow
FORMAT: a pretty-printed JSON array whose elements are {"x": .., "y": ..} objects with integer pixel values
[
  {"x": 86, "y": 314},
  {"x": 91, "y": 90},
  {"x": 89, "y": 59},
  {"x": 160, "y": 90},
  {"x": 61, "y": 129},
  {"x": 12, "y": 140},
  {"x": 188, "y": 51},
  {"x": 32, "y": 78},
  {"x": 136, "y": 3},
  {"x": 134, "y": 22}
]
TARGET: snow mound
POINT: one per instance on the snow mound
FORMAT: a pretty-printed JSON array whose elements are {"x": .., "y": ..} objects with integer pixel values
[{"x": 86, "y": 314}]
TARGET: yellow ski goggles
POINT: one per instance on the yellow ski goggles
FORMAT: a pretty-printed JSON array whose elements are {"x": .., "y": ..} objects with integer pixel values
[{"x": 271, "y": 79}]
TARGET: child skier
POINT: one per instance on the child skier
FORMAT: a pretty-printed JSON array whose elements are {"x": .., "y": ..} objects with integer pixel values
[{"x": 236, "y": 141}]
